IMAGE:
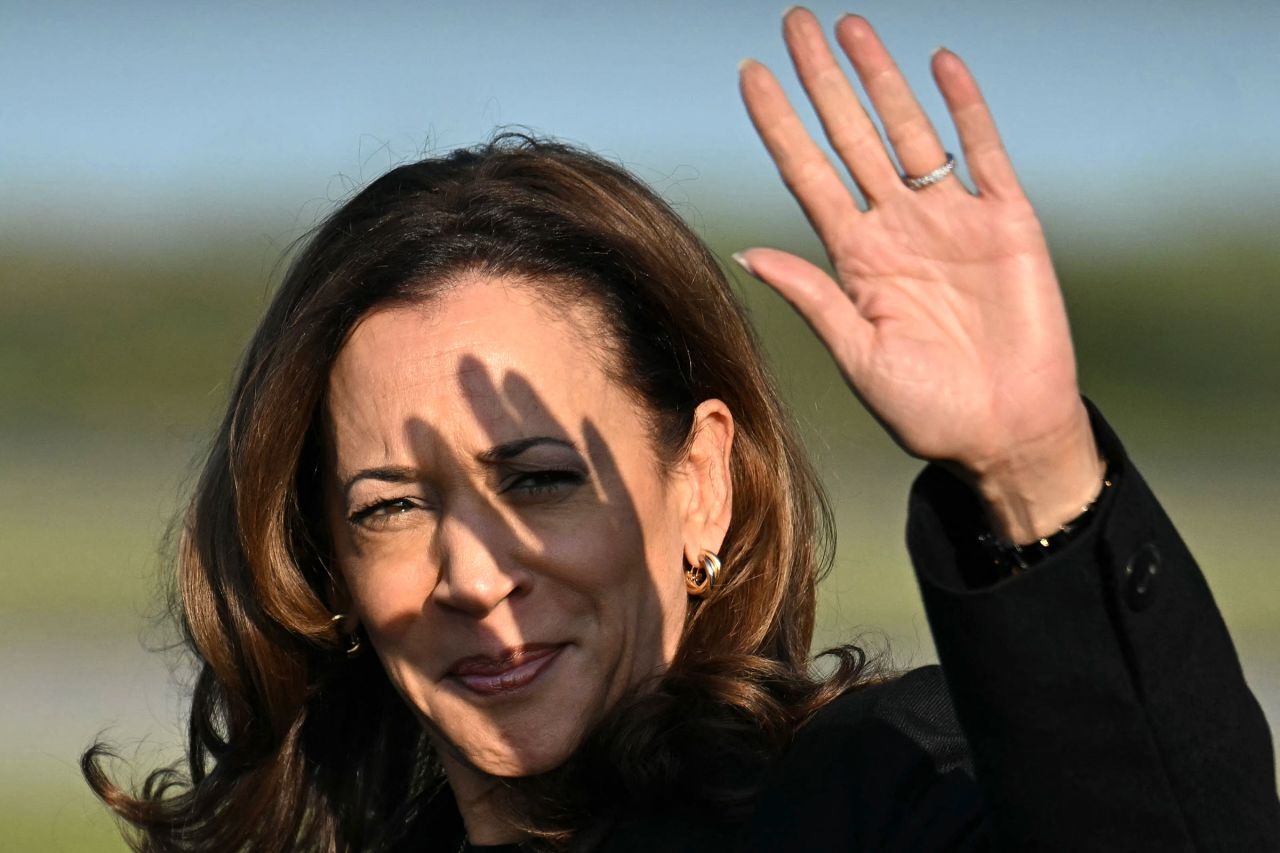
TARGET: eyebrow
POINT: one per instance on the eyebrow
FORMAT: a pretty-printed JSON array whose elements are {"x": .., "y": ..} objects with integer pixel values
[
  {"x": 498, "y": 453},
  {"x": 383, "y": 474},
  {"x": 511, "y": 449}
]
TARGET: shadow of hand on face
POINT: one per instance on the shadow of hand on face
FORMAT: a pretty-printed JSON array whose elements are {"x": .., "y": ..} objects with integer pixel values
[{"x": 515, "y": 567}]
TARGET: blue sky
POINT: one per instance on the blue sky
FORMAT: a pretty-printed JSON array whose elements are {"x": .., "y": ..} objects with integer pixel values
[{"x": 137, "y": 117}]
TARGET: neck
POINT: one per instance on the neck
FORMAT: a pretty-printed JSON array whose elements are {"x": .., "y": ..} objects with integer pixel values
[{"x": 479, "y": 799}]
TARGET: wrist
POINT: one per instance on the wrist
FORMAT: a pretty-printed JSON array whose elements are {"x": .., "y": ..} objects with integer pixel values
[
  {"x": 1031, "y": 493},
  {"x": 1008, "y": 558}
]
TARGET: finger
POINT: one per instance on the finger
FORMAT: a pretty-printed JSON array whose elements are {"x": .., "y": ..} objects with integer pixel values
[
  {"x": 911, "y": 133},
  {"x": 804, "y": 168},
  {"x": 984, "y": 153},
  {"x": 817, "y": 298},
  {"x": 852, "y": 133}
]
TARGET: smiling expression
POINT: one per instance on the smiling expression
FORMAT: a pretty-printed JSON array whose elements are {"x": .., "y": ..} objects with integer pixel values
[{"x": 506, "y": 533}]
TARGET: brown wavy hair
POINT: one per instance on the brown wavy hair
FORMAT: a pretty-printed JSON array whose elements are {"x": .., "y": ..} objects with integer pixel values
[{"x": 291, "y": 744}]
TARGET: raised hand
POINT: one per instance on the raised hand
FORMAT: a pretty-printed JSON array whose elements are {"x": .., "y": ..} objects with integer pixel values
[{"x": 944, "y": 315}]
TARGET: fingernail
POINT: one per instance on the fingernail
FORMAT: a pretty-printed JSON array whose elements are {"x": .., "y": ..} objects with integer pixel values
[
  {"x": 790, "y": 9},
  {"x": 744, "y": 63},
  {"x": 742, "y": 262},
  {"x": 937, "y": 50}
]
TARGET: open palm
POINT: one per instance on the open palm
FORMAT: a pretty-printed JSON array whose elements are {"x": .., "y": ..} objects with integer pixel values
[{"x": 944, "y": 315}]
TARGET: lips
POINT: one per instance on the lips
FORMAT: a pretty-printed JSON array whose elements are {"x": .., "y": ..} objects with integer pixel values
[{"x": 512, "y": 670}]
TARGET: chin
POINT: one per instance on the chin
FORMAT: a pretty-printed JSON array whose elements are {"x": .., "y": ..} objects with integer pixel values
[
  {"x": 516, "y": 738},
  {"x": 517, "y": 728},
  {"x": 521, "y": 748}
]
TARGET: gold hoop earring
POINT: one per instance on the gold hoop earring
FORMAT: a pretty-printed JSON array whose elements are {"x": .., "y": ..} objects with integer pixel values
[
  {"x": 701, "y": 578},
  {"x": 353, "y": 639}
]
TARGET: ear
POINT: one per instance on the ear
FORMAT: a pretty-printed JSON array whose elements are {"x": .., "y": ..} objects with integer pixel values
[{"x": 705, "y": 474}]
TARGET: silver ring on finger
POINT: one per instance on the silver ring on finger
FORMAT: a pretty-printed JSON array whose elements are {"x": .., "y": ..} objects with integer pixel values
[{"x": 919, "y": 183}]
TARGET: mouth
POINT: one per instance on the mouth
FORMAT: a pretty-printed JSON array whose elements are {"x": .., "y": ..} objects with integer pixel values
[{"x": 506, "y": 673}]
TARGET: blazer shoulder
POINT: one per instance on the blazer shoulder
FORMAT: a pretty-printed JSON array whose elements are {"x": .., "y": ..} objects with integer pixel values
[
  {"x": 915, "y": 703},
  {"x": 883, "y": 767}
]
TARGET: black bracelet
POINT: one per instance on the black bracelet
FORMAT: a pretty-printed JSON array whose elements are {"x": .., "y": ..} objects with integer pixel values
[{"x": 1011, "y": 559}]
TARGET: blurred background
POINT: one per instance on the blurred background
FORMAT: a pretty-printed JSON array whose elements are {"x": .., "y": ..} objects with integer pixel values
[{"x": 157, "y": 160}]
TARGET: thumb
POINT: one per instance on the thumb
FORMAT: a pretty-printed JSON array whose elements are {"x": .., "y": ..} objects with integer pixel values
[{"x": 818, "y": 299}]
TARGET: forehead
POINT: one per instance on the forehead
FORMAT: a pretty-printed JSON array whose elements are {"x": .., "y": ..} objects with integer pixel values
[{"x": 488, "y": 355}]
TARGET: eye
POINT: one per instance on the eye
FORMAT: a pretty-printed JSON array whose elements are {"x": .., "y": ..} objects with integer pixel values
[
  {"x": 384, "y": 512},
  {"x": 543, "y": 483}
]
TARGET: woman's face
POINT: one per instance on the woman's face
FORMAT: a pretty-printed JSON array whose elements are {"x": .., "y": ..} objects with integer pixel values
[{"x": 508, "y": 537}]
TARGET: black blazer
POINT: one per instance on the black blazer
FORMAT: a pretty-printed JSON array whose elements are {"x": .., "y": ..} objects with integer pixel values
[
  {"x": 1098, "y": 705},
  {"x": 1100, "y": 693},
  {"x": 1093, "y": 703}
]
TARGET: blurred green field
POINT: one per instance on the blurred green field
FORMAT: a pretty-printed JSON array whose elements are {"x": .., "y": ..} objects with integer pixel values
[{"x": 113, "y": 366}]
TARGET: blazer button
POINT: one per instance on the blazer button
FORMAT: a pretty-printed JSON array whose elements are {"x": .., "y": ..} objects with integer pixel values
[{"x": 1140, "y": 573}]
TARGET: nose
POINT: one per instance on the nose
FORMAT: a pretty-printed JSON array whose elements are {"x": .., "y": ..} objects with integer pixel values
[{"x": 478, "y": 559}]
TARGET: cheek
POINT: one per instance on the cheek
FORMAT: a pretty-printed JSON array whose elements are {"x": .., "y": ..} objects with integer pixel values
[
  {"x": 636, "y": 580},
  {"x": 389, "y": 582},
  {"x": 672, "y": 597}
]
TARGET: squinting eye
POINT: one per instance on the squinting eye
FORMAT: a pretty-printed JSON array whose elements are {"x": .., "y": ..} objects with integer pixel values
[
  {"x": 540, "y": 483},
  {"x": 379, "y": 513}
]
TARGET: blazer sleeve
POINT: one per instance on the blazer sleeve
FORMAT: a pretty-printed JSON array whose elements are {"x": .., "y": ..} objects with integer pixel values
[{"x": 1100, "y": 692}]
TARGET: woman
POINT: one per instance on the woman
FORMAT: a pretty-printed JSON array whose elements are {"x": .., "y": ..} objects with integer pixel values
[{"x": 506, "y": 538}]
